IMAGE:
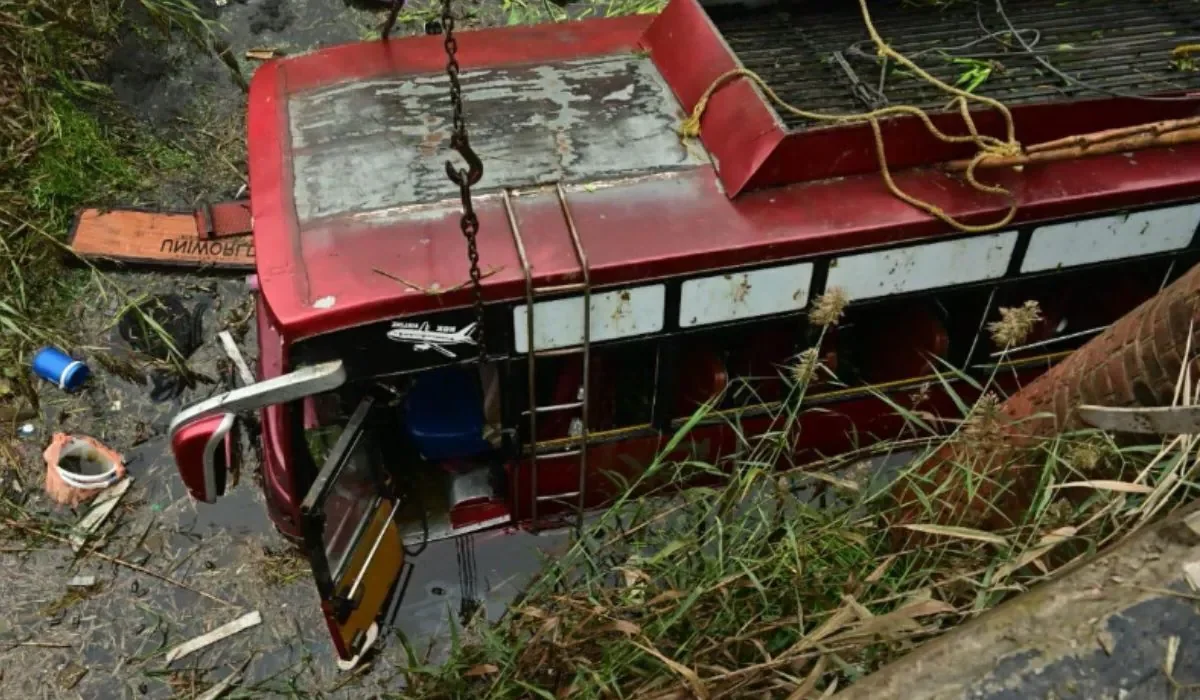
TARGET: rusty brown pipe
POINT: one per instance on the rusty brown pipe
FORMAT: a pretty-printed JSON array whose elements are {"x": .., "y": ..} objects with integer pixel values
[{"x": 1135, "y": 362}]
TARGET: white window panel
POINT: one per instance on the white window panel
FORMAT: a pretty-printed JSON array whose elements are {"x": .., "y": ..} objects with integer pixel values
[
  {"x": 1111, "y": 238},
  {"x": 920, "y": 267},
  {"x": 739, "y": 295},
  {"x": 619, "y": 313}
]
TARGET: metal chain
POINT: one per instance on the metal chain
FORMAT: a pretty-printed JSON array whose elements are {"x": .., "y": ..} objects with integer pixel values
[{"x": 469, "y": 223}]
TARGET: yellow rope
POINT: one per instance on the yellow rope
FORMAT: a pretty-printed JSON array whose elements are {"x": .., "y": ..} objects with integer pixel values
[{"x": 989, "y": 146}]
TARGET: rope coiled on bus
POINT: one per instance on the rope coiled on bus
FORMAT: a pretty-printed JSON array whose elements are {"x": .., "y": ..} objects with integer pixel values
[{"x": 988, "y": 146}]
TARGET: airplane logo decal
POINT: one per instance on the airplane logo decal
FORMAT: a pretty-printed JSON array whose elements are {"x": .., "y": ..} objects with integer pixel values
[{"x": 423, "y": 338}]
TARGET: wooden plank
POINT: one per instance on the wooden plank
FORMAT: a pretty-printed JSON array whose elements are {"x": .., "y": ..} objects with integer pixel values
[
  {"x": 244, "y": 622},
  {"x": 155, "y": 238}
]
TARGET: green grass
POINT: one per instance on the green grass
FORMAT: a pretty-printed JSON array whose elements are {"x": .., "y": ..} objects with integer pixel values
[
  {"x": 78, "y": 162},
  {"x": 779, "y": 577},
  {"x": 64, "y": 145}
]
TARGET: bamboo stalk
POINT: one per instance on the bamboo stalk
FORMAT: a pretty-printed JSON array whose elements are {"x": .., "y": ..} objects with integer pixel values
[
  {"x": 1085, "y": 140},
  {"x": 1136, "y": 142}
]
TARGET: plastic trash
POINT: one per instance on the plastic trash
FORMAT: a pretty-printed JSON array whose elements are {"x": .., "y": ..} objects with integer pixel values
[
  {"x": 78, "y": 468},
  {"x": 59, "y": 368}
]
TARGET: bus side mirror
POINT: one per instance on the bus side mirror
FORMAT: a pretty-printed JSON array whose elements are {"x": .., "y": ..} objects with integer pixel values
[
  {"x": 204, "y": 436},
  {"x": 206, "y": 452}
]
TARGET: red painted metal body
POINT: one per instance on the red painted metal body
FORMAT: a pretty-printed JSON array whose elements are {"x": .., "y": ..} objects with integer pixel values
[
  {"x": 620, "y": 226},
  {"x": 207, "y": 452},
  {"x": 755, "y": 150},
  {"x": 773, "y": 195}
]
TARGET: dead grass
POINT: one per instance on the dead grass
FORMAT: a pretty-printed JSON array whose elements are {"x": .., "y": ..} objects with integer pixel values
[
  {"x": 1015, "y": 324},
  {"x": 281, "y": 566},
  {"x": 828, "y": 308}
]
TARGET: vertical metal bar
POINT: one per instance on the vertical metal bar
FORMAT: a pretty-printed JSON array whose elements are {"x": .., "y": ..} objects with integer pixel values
[
  {"x": 531, "y": 357},
  {"x": 581, "y": 257}
]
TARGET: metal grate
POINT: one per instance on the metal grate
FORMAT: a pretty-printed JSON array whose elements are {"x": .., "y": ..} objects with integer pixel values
[{"x": 818, "y": 55}]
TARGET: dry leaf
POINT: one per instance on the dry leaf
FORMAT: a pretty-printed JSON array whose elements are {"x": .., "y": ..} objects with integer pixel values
[
  {"x": 482, "y": 670},
  {"x": 623, "y": 626},
  {"x": 1172, "y": 651},
  {"x": 632, "y": 576},
  {"x": 962, "y": 533},
  {"x": 918, "y": 596},
  {"x": 1034, "y": 554},
  {"x": 665, "y": 597},
  {"x": 810, "y": 681},
  {"x": 929, "y": 606},
  {"x": 1193, "y": 522},
  {"x": 844, "y": 484},
  {"x": 536, "y": 613},
  {"x": 1191, "y": 571},
  {"x": 548, "y": 626},
  {"x": 693, "y": 680},
  {"x": 898, "y": 620},
  {"x": 859, "y": 609},
  {"x": 833, "y": 623},
  {"x": 881, "y": 569},
  {"x": 1106, "y": 485}
]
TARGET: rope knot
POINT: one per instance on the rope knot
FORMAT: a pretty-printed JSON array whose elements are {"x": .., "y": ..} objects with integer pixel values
[
  {"x": 690, "y": 128},
  {"x": 1008, "y": 149}
]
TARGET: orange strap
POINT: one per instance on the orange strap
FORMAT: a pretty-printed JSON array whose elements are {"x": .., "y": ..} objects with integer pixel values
[{"x": 223, "y": 219}]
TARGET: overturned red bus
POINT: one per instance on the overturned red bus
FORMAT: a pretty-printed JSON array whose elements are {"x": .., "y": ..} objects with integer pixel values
[{"x": 627, "y": 275}]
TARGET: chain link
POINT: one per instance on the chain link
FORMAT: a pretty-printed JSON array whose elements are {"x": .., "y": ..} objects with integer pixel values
[{"x": 469, "y": 223}]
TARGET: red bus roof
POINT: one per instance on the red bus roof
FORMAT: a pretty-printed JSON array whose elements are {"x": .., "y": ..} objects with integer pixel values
[{"x": 356, "y": 222}]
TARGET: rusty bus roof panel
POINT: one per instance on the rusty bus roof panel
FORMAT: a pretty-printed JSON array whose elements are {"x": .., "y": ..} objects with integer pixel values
[{"x": 366, "y": 145}]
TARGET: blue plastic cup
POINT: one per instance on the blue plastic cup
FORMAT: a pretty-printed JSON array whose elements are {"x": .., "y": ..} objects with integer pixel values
[{"x": 57, "y": 367}]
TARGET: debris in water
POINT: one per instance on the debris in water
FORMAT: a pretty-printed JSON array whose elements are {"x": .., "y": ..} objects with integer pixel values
[
  {"x": 263, "y": 54},
  {"x": 235, "y": 355},
  {"x": 27, "y": 431},
  {"x": 1191, "y": 571},
  {"x": 1192, "y": 522},
  {"x": 59, "y": 368},
  {"x": 82, "y": 582},
  {"x": 227, "y": 630},
  {"x": 70, "y": 675},
  {"x": 95, "y": 517},
  {"x": 78, "y": 468},
  {"x": 163, "y": 329},
  {"x": 220, "y": 688}
]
